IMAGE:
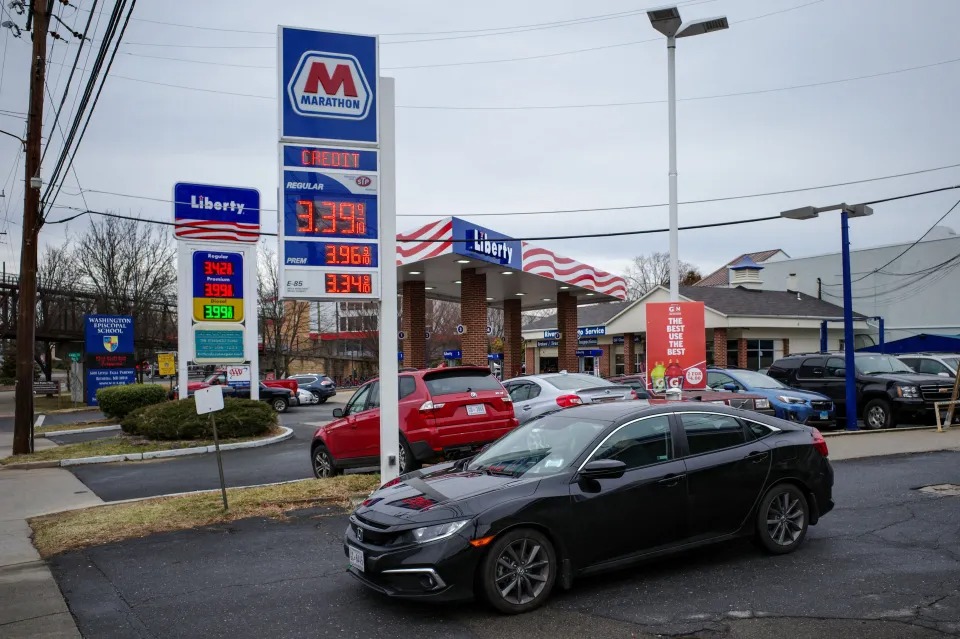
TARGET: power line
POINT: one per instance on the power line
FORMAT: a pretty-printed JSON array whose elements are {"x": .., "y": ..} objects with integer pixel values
[{"x": 638, "y": 206}]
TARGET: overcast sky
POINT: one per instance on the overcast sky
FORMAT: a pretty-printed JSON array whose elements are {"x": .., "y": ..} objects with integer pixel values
[{"x": 145, "y": 137}]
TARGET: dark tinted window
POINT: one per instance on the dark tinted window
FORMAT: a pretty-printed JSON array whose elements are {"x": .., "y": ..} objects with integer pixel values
[
  {"x": 759, "y": 430},
  {"x": 718, "y": 380},
  {"x": 357, "y": 402},
  {"x": 639, "y": 444},
  {"x": 931, "y": 366},
  {"x": 408, "y": 386},
  {"x": 912, "y": 362},
  {"x": 374, "y": 400},
  {"x": 811, "y": 368},
  {"x": 304, "y": 379},
  {"x": 454, "y": 381},
  {"x": 519, "y": 392},
  {"x": 835, "y": 368},
  {"x": 707, "y": 432}
]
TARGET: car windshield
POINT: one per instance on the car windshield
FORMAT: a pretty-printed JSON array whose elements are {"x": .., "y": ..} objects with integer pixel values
[
  {"x": 575, "y": 381},
  {"x": 872, "y": 364},
  {"x": 952, "y": 362},
  {"x": 758, "y": 380},
  {"x": 544, "y": 446}
]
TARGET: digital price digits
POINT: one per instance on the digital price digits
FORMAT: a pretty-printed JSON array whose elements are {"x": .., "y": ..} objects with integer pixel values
[
  {"x": 332, "y": 217},
  {"x": 348, "y": 284}
]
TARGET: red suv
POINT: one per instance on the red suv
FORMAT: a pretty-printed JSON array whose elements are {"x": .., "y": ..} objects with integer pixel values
[{"x": 444, "y": 412}]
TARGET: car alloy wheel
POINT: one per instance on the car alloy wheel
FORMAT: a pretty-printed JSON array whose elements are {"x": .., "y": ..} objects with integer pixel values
[
  {"x": 519, "y": 571},
  {"x": 782, "y": 519},
  {"x": 279, "y": 405},
  {"x": 323, "y": 466},
  {"x": 876, "y": 415}
]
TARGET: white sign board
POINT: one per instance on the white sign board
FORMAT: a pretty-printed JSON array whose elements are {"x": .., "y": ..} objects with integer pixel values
[
  {"x": 209, "y": 399},
  {"x": 238, "y": 376}
]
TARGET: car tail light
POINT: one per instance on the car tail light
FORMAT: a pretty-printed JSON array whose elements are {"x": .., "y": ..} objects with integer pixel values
[
  {"x": 566, "y": 401},
  {"x": 820, "y": 443},
  {"x": 428, "y": 406},
  {"x": 633, "y": 394},
  {"x": 507, "y": 399}
]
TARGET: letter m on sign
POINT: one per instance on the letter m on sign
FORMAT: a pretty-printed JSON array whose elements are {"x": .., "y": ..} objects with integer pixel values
[{"x": 330, "y": 85}]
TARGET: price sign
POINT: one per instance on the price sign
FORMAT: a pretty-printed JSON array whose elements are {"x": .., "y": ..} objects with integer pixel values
[{"x": 217, "y": 286}]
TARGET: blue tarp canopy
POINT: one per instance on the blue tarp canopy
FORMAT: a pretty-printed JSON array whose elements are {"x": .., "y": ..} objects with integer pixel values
[{"x": 922, "y": 343}]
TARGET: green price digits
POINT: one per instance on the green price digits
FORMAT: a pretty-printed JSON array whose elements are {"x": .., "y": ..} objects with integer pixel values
[{"x": 217, "y": 312}]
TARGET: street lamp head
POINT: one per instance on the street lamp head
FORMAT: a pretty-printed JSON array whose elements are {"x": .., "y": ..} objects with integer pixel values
[
  {"x": 666, "y": 20},
  {"x": 698, "y": 27},
  {"x": 804, "y": 213},
  {"x": 859, "y": 210}
]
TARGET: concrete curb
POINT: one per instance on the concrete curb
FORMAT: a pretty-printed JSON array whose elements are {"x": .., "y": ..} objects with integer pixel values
[
  {"x": 157, "y": 454},
  {"x": 77, "y": 431},
  {"x": 881, "y": 431}
]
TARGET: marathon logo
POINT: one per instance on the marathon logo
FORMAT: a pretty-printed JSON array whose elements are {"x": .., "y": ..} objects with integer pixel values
[
  {"x": 478, "y": 242},
  {"x": 205, "y": 203},
  {"x": 330, "y": 85}
]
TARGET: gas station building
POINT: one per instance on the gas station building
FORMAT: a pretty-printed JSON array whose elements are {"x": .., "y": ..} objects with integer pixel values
[{"x": 455, "y": 260}]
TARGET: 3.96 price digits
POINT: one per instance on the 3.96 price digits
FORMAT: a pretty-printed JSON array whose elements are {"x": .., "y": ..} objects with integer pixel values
[
  {"x": 217, "y": 290},
  {"x": 347, "y": 284},
  {"x": 348, "y": 254},
  {"x": 331, "y": 217}
]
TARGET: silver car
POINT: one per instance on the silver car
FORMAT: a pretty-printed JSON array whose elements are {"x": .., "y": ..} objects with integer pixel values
[{"x": 535, "y": 395}]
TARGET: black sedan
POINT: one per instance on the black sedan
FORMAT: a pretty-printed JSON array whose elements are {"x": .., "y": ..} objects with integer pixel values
[{"x": 588, "y": 489}]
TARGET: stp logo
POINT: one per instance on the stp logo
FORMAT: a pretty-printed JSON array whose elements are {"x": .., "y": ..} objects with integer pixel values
[
  {"x": 364, "y": 180},
  {"x": 329, "y": 85}
]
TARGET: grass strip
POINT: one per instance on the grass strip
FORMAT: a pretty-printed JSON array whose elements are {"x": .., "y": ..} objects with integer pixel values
[
  {"x": 53, "y": 428},
  {"x": 62, "y": 532}
]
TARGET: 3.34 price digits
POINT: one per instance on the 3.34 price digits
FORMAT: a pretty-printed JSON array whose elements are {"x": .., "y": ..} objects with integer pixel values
[
  {"x": 348, "y": 254},
  {"x": 346, "y": 284},
  {"x": 331, "y": 217}
]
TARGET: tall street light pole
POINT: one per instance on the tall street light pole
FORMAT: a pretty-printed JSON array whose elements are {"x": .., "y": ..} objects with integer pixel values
[
  {"x": 667, "y": 21},
  {"x": 849, "y": 361}
]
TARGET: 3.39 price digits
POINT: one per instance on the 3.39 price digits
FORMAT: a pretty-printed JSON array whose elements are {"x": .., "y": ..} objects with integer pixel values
[{"x": 331, "y": 217}]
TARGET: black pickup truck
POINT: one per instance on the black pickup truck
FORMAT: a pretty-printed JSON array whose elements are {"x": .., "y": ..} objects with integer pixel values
[{"x": 888, "y": 391}]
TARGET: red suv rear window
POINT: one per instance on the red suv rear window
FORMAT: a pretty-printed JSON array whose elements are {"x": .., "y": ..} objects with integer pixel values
[{"x": 452, "y": 382}]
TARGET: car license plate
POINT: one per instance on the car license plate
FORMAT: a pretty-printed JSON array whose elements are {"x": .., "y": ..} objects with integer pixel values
[
  {"x": 476, "y": 409},
  {"x": 356, "y": 558},
  {"x": 824, "y": 415}
]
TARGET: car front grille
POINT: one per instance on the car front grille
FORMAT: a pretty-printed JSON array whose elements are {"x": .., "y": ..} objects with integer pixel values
[
  {"x": 932, "y": 393},
  {"x": 820, "y": 405}
]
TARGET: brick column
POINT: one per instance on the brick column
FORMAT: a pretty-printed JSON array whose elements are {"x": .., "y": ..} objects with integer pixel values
[
  {"x": 473, "y": 316},
  {"x": 512, "y": 339},
  {"x": 567, "y": 325},
  {"x": 605, "y": 359},
  {"x": 629, "y": 355},
  {"x": 742, "y": 353},
  {"x": 530, "y": 360},
  {"x": 786, "y": 347},
  {"x": 414, "y": 325},
  {"x": 720, "y": 347}
]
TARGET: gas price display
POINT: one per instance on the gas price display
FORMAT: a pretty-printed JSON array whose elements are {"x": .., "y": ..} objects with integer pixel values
[
  {"x": 333, "y": 217},
  {"x": 348, "y": 283},
  {"x": 217, "y": 286}
]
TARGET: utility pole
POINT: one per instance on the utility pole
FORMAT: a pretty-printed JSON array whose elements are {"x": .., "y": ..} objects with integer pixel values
[{"x": 27, "y": 306}]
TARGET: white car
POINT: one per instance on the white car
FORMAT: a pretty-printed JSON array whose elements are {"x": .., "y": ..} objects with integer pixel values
[{"x": 305, "y": 397}]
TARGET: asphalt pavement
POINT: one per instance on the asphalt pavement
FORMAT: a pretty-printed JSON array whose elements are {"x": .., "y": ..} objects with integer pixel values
[
  {"x": 884, "y": 564},
  {"x": 285, "y": 461}
]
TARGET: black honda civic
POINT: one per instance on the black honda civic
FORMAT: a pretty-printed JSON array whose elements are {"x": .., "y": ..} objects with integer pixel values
[{"x": 589, "y": 489}]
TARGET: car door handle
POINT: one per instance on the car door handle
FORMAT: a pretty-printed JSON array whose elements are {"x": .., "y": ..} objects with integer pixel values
[
  {"x": 527, "y": 407},
  {"x": 671, "y": 480},
  {"x": 758, "y": 456}
]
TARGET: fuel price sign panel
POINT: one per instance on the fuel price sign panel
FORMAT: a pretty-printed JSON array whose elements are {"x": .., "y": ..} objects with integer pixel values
[
  {"x": 217, "y": 286},
  {"x": 329, "y": 223}
]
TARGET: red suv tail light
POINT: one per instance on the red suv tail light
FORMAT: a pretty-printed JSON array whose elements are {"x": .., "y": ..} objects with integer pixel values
[
  {"x": 820, "y": 443},
  {"x": 428, "y": 406},
  {"x": 566, "y": 401}
]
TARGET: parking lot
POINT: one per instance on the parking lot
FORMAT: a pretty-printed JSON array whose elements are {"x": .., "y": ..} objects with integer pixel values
[{"x": 884, "y": 563}]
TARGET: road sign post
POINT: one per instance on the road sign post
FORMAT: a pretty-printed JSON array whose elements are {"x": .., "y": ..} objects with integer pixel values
[{"x": 209, "y": 400}]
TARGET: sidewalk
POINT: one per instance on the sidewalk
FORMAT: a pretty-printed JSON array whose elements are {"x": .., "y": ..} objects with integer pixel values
[
  {"x": 32, "y": 604},
  {"x": 871, "y": 444}
]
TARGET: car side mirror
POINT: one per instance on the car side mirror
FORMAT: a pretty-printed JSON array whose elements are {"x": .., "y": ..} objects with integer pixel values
[
  {"x": 338, "y": 413},
  {"x": 603, "y": 468},
  {"x": 942, "y": 374},
  {"x": 839, "y": 372},
  {"x": 730, "y": 387}
]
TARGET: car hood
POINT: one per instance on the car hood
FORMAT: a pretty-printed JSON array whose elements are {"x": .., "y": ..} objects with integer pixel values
[
  {"x": 772, "y": 393},
  {"x": 915, "y": 379},
  {"x": 441, "y": 495}
]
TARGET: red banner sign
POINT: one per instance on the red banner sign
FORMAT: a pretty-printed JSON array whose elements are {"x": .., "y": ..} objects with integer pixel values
[{"x": 676, "y": 346}]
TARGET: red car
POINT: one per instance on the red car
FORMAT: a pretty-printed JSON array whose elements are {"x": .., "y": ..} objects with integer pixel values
[{"x": 444, "y": 412}]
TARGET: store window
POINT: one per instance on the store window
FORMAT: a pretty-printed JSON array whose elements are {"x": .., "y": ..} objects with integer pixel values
[
  {"x": 620, "y": 369},
  {"x": 759, "y": 353}
]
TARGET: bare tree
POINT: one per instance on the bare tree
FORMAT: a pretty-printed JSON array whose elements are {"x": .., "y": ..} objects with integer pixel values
[
  {"x": 646, "y": 272},
  {"x": 284, "y": 324},
  {"x": 57, "y": 273},
  {"x": 442, "y": 319}
]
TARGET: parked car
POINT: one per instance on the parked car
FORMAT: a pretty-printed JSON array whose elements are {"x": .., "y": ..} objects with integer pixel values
[
  {"x": 444, "y": 413},
  {"x": 888, "y": 391},
  {"x": 219, "y": 377},
  {"x": 305, "y": 397},
  {"x": 942, "y": 364},
  {"x": 588, "y": 489},
  {"x": 637, "y": 382},
  {"x": 322, "y": 387},
  {"x": 746, "y": 401},
  {"x": 805, "y": 407},
  {"x": 535, "y": 395},
  {"x": 278, "y": 397}
]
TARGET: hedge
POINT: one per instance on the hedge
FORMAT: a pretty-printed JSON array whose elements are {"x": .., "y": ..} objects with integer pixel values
[
  {"x": 120, "y": 401},
  {"x": 179, "y": 420}
]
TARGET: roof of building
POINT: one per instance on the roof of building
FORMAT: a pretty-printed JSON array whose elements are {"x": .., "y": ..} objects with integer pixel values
[
  {"x": 746, "y": 263},
  {"x": 591, "y": 315},
  {"x": 720, "y": 277},
  {"x": 760, "y": 303}
]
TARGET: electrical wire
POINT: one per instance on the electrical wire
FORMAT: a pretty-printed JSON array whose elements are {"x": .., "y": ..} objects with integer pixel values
[{"x": 632, "y": 206}]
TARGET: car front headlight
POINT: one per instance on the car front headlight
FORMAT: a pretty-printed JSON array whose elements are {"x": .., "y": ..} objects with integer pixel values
[
  {"x": 439, "y": 531},
  {"x": 909, "y": 392},
  {"x": 791, "y": 400},
  {"x": 762, "y": 403}
]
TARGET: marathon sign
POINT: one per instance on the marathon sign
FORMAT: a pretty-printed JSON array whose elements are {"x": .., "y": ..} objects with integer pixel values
[{"x": 329, "y": 81}]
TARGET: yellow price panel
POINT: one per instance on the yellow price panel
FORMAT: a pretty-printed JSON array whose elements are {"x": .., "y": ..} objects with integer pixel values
[{"x": 216, "y": 309}]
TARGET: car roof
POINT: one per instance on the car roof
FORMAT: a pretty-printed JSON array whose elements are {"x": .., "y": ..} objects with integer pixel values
[
  {"x": 626, "y": 411},
  {"x": 420, "y": 372}
]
